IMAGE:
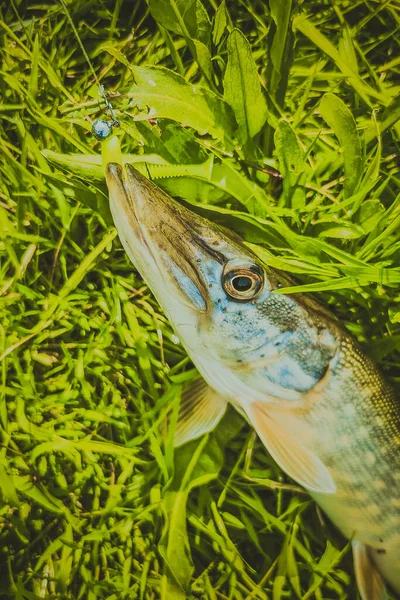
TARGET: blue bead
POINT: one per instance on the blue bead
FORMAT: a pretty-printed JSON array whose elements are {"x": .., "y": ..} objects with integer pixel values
[{"x": 101, "y": 129}]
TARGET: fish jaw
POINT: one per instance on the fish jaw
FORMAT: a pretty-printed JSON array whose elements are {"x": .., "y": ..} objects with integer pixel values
[{"x": 154, "y": 231}]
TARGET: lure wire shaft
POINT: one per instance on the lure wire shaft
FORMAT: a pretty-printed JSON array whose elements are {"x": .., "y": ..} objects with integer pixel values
[{"x": 101, "y": 129}]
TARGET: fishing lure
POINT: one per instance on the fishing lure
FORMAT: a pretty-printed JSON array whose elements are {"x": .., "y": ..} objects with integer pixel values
[{"x": 101, "y": 129}]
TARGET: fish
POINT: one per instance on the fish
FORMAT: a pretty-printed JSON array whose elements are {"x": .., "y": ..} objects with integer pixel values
[{"x": 320, "y": 406}]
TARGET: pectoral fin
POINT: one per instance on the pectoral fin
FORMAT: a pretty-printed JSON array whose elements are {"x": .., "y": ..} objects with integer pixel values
[
  {"x": 289, "y": 452},
  {"x": 200, "y": 411},
  {"x": 369, "y": 580}
]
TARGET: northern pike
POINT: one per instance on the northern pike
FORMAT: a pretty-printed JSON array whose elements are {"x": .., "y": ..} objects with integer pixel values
[{"x": 320, "y": 406}]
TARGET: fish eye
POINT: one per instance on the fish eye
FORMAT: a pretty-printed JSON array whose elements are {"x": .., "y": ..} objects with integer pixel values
[{"x": 242, "y": 281}]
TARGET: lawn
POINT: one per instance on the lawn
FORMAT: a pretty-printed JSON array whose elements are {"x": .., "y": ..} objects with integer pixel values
[{"x": 278, "y": 119}]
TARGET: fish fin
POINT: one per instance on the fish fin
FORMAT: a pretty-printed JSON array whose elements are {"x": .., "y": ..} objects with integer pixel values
[
  {"x": 298, "y": 462},
  {"x": 369, "y": 580},
  {"x": 200, "y": 411}
]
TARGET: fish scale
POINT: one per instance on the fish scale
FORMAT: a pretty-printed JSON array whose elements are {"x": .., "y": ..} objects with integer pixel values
[{"x": 364, "y": 449}]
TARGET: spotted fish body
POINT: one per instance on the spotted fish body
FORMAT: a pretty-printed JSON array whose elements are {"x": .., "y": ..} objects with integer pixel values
[
  {"x": 319, "y": 405},
  {"x": 357, "y": 417}
]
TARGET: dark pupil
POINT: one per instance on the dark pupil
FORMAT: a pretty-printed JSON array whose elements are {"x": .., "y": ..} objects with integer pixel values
[{"x": 242, "y": 284}]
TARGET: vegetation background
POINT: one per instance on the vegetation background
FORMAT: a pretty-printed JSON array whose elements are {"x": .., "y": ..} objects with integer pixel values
[{"x": 93, "y": 502}]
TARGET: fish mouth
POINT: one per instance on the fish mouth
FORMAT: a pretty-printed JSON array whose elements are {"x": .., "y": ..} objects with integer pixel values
[{"x": 174, "y": 249}]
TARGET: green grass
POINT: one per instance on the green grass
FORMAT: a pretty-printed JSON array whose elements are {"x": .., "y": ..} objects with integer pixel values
[{"x": 93, "y": 503}]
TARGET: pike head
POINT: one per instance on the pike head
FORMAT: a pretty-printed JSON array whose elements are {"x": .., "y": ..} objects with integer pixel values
[{"x": 253, "y": 347}]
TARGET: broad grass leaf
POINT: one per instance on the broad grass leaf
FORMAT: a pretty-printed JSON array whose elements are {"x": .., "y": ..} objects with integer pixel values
[
  {"x": 20, "y": 529},
  {"x": 203, "y": 56},
  {"x": 372, "y": 173},
  {"x": 313, "y": 249},
  {"x": 7, "y": 487},
  {"x": 251, "y": 228},
  {"x": 196, "y": 464},
  {"x": 382, "y": 239},
  {"x": 347, "y": 51},
  {"x": 370, "y": 215},
  {"x": 141, "y": 344},
  {"x": 346, "y": 232},
  {"x": 181, "y": 145},
  {"x": 193, "y": 190},
  {"x": 221, "y": 22},
  {"x": 76, "y": 191},
  {"x": 24, "y": 485},
  {"x": 159, "y": 92},
  {"x": 394, "y": 316},
  {"x": 340, "y": 283},
  {"x": 208, "y": 466},
  {"x": 226, "y": 178},
  {"x": 281, "y": 47},
  {"x": 292, "y": 565},
  {"x": 288, "y": 568},
  {"x": 178, "y": 16},
  {"x": 358, "y": 277},
  {"x": 294, "y": 265},
  {"x": 174, "y": 544},
  {"x": 55, "y": 546},
  {"x": 375, "y": 274},
  {"x": 66, "y": 560},
  {"x": 336, "y": 114},
  {"x": 291, "y": 164},
  {"x": 191, "y": 20},
  {"x": 33, "y": 80},
  {"x": 73, "y": 281},
  {"x": 184, "y": 17},
  {"x": 352, "y": 203},
  {"x": 203, "y": 31},
  {"x": 242, "y": 88},
  {"x": 327, "y": 563},
  {"x": 340, "y": 255}
]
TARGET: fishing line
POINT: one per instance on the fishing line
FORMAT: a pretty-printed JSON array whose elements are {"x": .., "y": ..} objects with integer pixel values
[{"x": 101, "y": 129}]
